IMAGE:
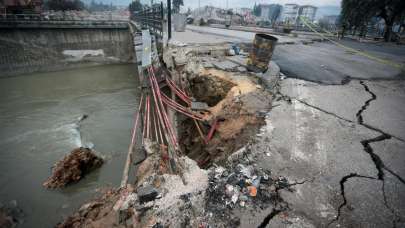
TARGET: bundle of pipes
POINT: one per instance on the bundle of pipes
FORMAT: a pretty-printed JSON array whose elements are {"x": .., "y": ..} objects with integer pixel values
[{"x": 157, "y": 126}]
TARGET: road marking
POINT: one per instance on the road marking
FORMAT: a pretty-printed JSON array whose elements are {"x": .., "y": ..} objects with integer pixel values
[{"x": 377, "y": 59}]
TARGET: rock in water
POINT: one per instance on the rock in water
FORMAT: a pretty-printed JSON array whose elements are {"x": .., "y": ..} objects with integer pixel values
[{"x": 73, "y": 167}]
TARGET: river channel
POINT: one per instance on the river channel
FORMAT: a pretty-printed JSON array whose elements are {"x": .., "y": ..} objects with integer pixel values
[{"x": 40, "y": 123}]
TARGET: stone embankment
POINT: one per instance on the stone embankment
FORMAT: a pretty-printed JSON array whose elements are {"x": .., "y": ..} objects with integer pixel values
[{"x": 64, "y": 45}]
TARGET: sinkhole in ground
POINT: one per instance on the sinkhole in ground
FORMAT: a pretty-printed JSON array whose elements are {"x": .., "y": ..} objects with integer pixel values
[{"x": 237, "y": 106}]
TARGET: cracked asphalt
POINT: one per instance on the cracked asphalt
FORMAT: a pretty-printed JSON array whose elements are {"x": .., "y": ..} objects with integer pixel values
[
  {"x": 351, "y": 159},
  {"x": 336, "y": 130}
]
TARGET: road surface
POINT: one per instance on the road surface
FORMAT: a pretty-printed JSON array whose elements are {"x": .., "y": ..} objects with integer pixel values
[{"x": 337, "y": 130}]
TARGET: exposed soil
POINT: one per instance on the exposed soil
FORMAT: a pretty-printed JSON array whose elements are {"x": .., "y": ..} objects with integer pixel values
[
  {"x": 210, "y": 90},
  {"x": 97, "y": 213},
  {"x": 236, "y": 102},
  {"x": 73, "y": 167}
]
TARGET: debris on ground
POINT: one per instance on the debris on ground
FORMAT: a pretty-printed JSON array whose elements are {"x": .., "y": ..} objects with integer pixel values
[
  {"x": 232, "y": 106},
  {"x": 241, "y": 186},
  {"x": 96, "y": 213},
  {"x": 162, "y": 200},
  {"x": 73, "y": 167}
]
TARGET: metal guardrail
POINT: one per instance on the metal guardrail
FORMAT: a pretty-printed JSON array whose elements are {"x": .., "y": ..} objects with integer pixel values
[
  {"x": 151, "y": 18},
  {"x": 52, "y": 17}
]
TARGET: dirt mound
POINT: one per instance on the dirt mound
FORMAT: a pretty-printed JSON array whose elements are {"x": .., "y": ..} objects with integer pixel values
[{"x": 73, "y": 167}]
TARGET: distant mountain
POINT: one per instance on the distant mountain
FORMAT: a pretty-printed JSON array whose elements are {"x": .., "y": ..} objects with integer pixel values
[{"x": 327, "y": 11}]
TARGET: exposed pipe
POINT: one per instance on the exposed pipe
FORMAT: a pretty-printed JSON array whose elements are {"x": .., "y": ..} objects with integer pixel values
[{"x": 124, "y": 180}]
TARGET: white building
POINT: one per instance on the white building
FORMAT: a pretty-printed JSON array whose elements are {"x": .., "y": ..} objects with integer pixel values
[
  {"x": 264, "y": 11},
  {"x": 308, "y": 12},
  {"x": 290, "y": 13}
]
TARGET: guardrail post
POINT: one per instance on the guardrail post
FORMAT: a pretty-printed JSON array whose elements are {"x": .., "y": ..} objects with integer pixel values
[{"x": 169, "y": 18}]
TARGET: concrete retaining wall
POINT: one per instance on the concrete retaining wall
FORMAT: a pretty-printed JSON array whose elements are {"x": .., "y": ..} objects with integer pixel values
[{"x": 31, "y": 50}]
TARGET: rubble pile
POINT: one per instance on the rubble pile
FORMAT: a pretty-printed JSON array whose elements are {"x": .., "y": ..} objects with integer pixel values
[
  {"x": 73, "y": 167},
  {"x": 158, "y": 198},
  {"x": 241, "y": 186}
]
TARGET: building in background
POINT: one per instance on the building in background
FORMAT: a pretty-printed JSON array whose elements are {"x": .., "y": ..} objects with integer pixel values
[
  {"x": 308, "y": 12},
  {"x": 270, "y": 12},
  {"x": 290, "y": 13},
  {"x": 247, "y": 15},
  {"x": 264, "y": 11}
]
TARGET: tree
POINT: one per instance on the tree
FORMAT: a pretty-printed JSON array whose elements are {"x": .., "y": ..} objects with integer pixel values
[
  {"x": 63, "y": 5},
  {"x": 176, "y": 5},
  {"x": 257, "y": 10},
  {"x": 135, "y": 6},
  {"x": 356, "y": 14},
  {"x": 391, "y": 11}
]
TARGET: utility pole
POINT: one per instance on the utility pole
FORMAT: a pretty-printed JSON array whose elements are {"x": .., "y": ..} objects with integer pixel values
[{"x": 199, "y": 7}]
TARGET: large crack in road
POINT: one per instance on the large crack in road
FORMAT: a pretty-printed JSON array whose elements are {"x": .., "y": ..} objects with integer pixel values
[
  {"x": 379, "y": 164},
  {"x": 342, "y": 193}
]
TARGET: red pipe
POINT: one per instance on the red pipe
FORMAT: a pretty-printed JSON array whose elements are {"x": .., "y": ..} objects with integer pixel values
[
  {"x": 155, "y": 91},
  {"x": 136, "y": 122},
  {"x": 165, "y": 118}
]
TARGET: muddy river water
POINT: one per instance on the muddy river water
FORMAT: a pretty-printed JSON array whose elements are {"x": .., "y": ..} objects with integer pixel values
[{"x": 39, "y": 124}]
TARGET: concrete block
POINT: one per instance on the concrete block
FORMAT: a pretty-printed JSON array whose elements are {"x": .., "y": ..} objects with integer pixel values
[{"x": 271, "y": 76}]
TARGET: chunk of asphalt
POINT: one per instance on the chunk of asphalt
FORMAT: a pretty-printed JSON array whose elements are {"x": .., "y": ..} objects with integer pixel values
[{"x": 147, "y": 193}]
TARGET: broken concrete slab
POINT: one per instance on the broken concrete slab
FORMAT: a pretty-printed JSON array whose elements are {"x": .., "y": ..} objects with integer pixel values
[
  {"x": 147, "y": 193},
  {"x": 238, "y": 59},
  {"x": 225, "y": 65}
]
